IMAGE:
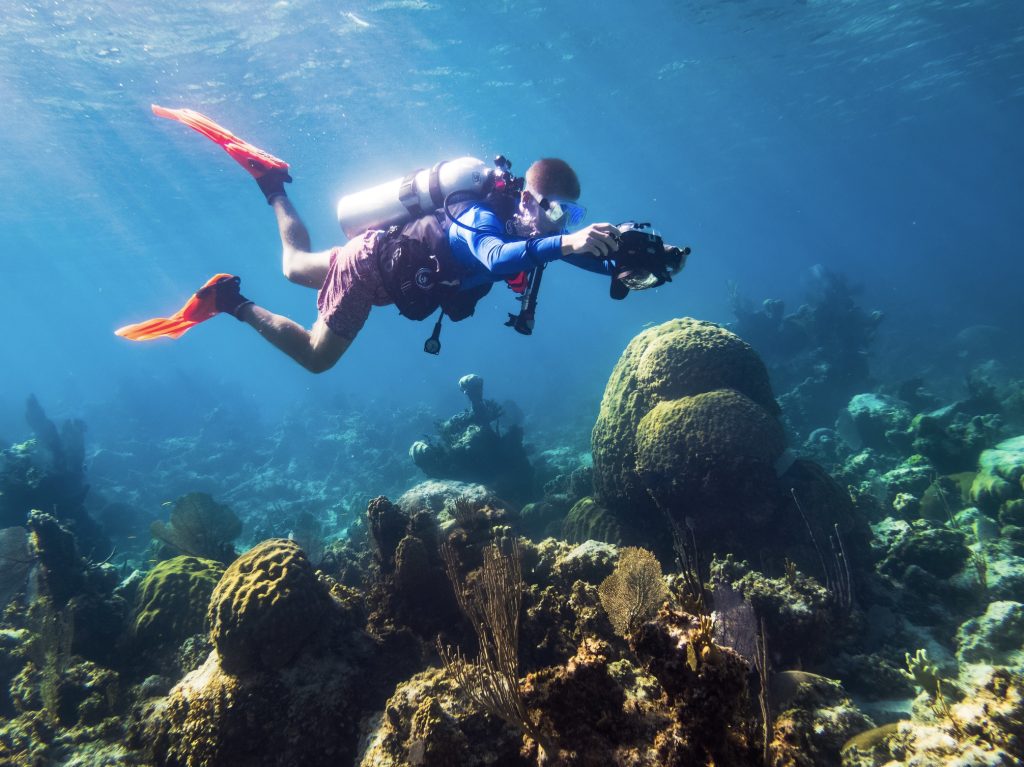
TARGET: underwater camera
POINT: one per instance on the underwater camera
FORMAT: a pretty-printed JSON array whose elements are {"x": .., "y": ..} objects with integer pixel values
[{"x": 642, "y": 260}]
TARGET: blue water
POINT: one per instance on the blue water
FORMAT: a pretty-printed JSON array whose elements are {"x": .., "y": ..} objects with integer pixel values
[{"x": 884, "y": 140}]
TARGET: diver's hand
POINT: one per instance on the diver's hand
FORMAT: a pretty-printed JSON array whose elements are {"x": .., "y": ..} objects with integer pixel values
[{"x": 596, "y": 240}]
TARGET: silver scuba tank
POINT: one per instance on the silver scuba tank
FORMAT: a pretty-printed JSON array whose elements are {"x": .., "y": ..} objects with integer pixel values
[{"x": 422, "y": 191}]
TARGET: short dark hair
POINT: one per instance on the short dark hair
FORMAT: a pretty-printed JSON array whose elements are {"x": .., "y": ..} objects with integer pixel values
[{"x": 555, "y": 177}]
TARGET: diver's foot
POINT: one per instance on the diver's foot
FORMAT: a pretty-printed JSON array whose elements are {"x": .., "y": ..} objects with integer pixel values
[
  {"x": 226, "y": 295},
  {"x": 271, "y": 183}
]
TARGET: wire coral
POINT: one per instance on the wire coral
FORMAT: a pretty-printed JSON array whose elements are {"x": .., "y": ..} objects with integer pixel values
[
  {"x": 634, "y": 591},
  {"x": 492, "y": 601}
]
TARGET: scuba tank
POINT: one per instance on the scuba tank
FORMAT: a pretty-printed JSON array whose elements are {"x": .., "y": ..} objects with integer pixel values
[{"x": 417, "y": 194}]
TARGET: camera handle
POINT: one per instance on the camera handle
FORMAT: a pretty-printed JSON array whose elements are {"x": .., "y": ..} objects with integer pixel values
[{"x": 525, "y": 320}]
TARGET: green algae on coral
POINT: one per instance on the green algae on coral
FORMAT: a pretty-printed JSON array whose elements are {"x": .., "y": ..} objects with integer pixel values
[
  {"x": 589, "y": 520},
  {"x": 172, "y": 599}
]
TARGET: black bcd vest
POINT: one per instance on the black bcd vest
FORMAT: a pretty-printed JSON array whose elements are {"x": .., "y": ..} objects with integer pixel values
[{"x": 419, "y": 272}]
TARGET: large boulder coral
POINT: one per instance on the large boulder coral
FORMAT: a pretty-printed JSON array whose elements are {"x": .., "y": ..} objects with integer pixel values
[
  {"x": 679, "y": 358},
  {"x": 650, "y": 405},
  {"x": 688, "y": 433},
  {"x": 265, "y": 607},
  {"x": 306, "y": 713},
  {"x": 712, "y": 454}
]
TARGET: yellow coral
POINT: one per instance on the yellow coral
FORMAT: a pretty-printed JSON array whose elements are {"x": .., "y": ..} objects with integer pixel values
[
  {"x": 265, "y": 607},
  {"x": 634, "y": 591}
]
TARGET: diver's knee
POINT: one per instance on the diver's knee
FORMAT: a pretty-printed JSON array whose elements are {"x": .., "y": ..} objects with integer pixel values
[
  {"x": 292, "y": 267},
  {"x": 319, "y": 364}
]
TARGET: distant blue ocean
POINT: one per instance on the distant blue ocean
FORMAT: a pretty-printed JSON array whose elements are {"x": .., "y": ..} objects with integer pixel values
[{"x": 882, "y": 140}]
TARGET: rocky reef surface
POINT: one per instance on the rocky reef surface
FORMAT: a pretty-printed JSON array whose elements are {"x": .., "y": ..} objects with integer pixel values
[{"x": 720, "y": 584}]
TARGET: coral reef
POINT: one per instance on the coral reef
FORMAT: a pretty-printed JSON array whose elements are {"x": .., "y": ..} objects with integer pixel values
[
  {"x": 472, "y": 447},
  {"x": 983, "y": 729},
  {"x": 764, "y": 621},
  {"x": 997, "y": 637},
  {"x": 814, "y": 719}
]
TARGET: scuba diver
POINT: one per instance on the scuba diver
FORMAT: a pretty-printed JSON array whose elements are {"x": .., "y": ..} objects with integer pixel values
[{"x": 433, "y": 241}]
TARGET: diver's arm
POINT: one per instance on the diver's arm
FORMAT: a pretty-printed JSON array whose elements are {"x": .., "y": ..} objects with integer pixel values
[
  {"x": 505, "y": 259},
  {"x": 502, "y": 256},
  {"x": 316, "y": 350},
  {"x": 591, "y": 264}
]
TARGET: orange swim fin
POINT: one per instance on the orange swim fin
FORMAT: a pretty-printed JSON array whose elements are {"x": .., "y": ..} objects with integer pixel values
[
  {"x": 256, "y": 161},
  {"x": 201, "y": 307}
]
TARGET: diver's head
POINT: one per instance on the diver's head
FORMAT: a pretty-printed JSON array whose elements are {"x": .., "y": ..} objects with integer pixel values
[{"x": 547, "y": 204}]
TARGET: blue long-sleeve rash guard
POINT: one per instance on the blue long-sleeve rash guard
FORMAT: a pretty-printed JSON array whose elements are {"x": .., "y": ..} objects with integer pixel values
[{"x": 491, "y": 255}]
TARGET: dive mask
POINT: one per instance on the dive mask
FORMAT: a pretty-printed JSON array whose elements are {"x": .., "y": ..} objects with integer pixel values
[{"x": 564, "y": 212}]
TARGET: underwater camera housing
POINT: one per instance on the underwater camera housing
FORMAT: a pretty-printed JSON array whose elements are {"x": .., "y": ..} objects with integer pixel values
[{"x": 642, "y": 260}]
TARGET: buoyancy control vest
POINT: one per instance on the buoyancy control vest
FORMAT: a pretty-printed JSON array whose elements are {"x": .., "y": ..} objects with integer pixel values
[{"x": 419, "y": 271}]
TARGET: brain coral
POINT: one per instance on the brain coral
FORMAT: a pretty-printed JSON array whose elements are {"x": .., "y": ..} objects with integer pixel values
[
  {"x": 267, "y": 604},
  {"x": 172, "y": 599},
  {"x": 651, "y": 405},
  {"x": 714, "y": 452}
]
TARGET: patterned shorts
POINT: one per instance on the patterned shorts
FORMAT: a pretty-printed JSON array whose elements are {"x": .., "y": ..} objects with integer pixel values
[{"x": 353, "y": 285}]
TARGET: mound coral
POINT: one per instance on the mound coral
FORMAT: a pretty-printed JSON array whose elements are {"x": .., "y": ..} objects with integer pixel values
[
  {"x": 265, "y": 607},
  {"x": 171, "y": 602},
  {"x": 588, "y": 520},
  {"x": 680, "y": 358},
  {"x": 687, "y": 427},
  {"x": 1000, "y": 478},
  {"x": 712, "y": 454}
]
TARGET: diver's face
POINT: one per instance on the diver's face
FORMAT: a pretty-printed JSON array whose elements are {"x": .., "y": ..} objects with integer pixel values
[{"x": 532, "y": 220}]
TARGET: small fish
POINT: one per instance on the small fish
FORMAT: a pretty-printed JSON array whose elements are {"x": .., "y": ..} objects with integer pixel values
[{"x": 167, "y": 503}]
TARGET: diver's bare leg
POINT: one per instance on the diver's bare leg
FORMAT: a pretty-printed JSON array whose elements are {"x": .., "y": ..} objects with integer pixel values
[
  {"x": 297, "y": 262},
  {"x": 316, "y": 350}
]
